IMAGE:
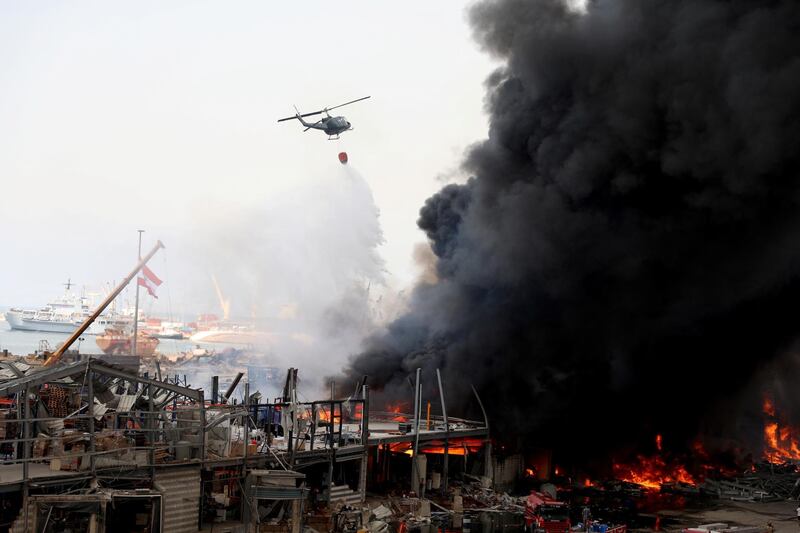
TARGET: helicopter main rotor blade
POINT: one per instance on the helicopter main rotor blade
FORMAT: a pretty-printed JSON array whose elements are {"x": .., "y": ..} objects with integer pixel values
[
  {"x": 303, "y": 115},
  {"x": 347, "y": 103}
]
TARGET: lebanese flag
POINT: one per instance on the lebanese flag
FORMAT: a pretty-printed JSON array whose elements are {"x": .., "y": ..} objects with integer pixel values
[{"x": 149, "y": 281}]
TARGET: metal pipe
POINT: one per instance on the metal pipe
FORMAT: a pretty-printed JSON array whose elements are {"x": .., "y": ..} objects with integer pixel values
[
  {"x": 362, "y": 473},
  {"x": 480, "y": 404},
  {"x": 290, "y": 394},
  {"x": 269, "y": 426},
  {"x": 415, "y": 387},
  {"x": 230, "y": 390},
  {"x": 446, "y": 433},
  {"x": 152, "y": 425},
  {"x": 330, "y": 421},
  {"x": 341, "y": 423},
  {"x": 102, "y": 307},
  {"x": 487, "y": 467},
  {"x": 365, "y": 416},
  {"x": 415, "y": 473},
  {"x": 214, "y": 389},
  {"x": 202, "y": 403},
  {"x": 26, "y": 434},
  {"x": 246, "y": 420},
  {"x": 90, "y": 412},
  {"x": 417, "y": 409},
  {"x": 136, "y": 308}
]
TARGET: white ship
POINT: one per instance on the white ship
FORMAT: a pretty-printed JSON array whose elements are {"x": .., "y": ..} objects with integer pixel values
[
  {"x": 232, "y": 335},
  {"x": 104, "y": 322},
  {"x": 62, "y": 315}
]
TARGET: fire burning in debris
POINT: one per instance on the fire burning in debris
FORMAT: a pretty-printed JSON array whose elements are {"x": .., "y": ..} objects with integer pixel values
[
  {"x": 397, "y": 409},
  {"x": 781, "y": 442},
  {"x": 463, "y": 446},
  {"x": 652, "y": 472},
  {"x": 323, "y": 415}
]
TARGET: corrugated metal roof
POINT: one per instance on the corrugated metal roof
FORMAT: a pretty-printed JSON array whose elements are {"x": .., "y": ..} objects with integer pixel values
[
  {"x": 126, "y": 402},
  {"x": 181, "y": 489}
]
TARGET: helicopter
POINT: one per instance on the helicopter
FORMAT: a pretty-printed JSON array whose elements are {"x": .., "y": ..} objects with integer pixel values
[{"x": 333, "y": 126}]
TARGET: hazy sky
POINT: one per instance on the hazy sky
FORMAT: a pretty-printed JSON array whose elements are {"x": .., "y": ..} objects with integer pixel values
[{"x": 162, "y": 115}]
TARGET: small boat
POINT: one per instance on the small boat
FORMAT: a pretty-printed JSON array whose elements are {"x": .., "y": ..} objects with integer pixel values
[{"x": 167, "y": 333}]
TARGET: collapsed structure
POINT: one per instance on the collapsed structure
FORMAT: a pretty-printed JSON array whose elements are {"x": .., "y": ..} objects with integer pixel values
[{"x": 89, "y": 446}]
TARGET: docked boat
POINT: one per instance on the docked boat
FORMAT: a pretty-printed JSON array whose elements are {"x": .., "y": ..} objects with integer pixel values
[
  {"x": 64, "y": 315},
  {"x": 104, "y": 322},
  {"x": 232, "y": 335},
  {"x": 119, "y": 342},
  {"x": 58, "y": 316},
  {"x": 167, "y": 333}
]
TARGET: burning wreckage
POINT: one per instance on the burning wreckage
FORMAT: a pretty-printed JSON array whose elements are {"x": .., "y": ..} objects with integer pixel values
[
  {"x": 89, "y": 446},
  {"x": 622, "y": 261}
]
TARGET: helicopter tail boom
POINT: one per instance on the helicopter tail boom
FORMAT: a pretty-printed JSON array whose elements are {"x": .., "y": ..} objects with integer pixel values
[{"x": 299, "y": 116}]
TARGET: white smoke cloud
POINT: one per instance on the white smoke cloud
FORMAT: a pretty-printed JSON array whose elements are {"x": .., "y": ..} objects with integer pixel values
[{"x": 303, "y": 267}]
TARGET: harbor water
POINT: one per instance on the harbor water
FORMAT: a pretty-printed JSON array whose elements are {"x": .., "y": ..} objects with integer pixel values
[{"x": 19, "y": 342}]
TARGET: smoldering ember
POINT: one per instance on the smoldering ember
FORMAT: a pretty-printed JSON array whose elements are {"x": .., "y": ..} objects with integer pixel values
[{"x": 603, "y": 337}]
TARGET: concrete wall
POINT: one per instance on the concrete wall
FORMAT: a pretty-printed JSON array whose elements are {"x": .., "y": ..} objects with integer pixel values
[{"x": 506, "y": 471}]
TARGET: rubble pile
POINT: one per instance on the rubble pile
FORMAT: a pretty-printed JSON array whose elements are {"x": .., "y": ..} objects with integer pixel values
[
  {"x": 481, "y": 498},
  {"x": 764, "y": 482},
  {"x": 463, "y": 502}
]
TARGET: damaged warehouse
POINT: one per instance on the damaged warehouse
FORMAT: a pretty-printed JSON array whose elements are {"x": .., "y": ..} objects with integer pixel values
[{"x": 91, "y": 447}]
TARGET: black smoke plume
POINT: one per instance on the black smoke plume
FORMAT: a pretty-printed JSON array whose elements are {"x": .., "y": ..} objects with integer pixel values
[{"x": 625, "y": 257}]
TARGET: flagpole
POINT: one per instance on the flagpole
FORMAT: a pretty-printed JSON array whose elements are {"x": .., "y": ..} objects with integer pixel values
[
  {"x": 56, "y": 356},
  {"x": 136, "y": 308}
]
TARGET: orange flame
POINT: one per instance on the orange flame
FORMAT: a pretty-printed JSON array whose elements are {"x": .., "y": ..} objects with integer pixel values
[
  {"x": 781, "y": 442},
  {"x": 323, "y": 415},
  {"x": 654, "y": 471},
  {"x": 397, "y": 409},
  {"x": 456, "y": 447}
]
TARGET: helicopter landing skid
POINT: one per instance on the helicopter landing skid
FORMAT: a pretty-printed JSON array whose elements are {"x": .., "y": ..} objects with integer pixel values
[{"x": 332, "y": 138}]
